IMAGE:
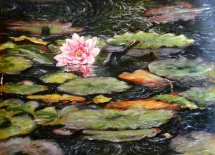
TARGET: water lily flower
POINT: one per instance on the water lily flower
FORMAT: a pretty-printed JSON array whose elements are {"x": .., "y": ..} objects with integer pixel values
[{"x": 77, "y": 51}]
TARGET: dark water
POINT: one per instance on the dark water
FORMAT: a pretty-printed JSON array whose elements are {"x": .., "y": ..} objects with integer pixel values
[{"x": 105, "y": 18}]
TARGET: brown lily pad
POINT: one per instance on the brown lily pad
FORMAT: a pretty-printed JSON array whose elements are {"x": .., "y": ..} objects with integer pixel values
[
  {"x": 171, "y": 13},
  {"x": 141, "y": 104},
  {"x": 36, "y": 27},
  {"x": 54, "y": 98},
  {"x": 143, "y": 77}
]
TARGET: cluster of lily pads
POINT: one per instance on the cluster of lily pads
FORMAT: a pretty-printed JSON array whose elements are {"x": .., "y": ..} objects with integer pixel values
[{"x": 118, "y": 121}]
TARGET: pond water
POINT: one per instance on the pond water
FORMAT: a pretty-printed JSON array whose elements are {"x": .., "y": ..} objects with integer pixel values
[{"x": 187, "y": 68}]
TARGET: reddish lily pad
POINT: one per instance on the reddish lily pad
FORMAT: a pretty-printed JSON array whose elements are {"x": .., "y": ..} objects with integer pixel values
[
  {"x": 54, "y": 98},
  {"x": 141, "y": 104},
  {"x": 172, "y": 13},
  {"x": 194, "y": 143},
  {"x": 22, "y": 89},
  {"x": 28, "y": 146},
  {"x": 120, "y": 136},
  {"x": 143, "y": 77},
  {"x": 13, "y": 64},
  {"x": 35, "y": 27}
]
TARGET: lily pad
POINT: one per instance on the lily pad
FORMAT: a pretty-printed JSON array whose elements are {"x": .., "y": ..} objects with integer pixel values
[
  {"x": 104, "y": 119},
  {"x": 7, "y": 45},
  {"x": 13, "y": 64},
  {"x": 101, "y": 99},
  {"x": 19, "y": 125},
  {"x": 94, "y": 85},
  {"x": 151, "y": 40},
  {"x": 36, "y": 27},
  {"x": 57, "y": 77},
  {"x": 32, "y": 39},
  {"x": 174, "y": 99},
  {"x": 22, "y": 89},
  {"x": 45, "y": 115},
  {"x": 143, "y": 77},
  {"x": 32, "y": 52},
  {"x": 141, "y": 104},
  {"x": 12, "y": 103},
  {"x": 120, "y": 136},
  {"x": 54, "y": 98},
  {"x": 183, "y": 70},
  {"x": 28, "y": 146},
  {"x": 194, "y": 143},
  {"x": 172, "y": 13},
  {"x": 202, "y": 96}
]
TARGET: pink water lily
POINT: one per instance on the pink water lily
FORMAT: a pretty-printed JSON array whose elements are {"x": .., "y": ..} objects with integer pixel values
[{"x": 77, "y": 51}]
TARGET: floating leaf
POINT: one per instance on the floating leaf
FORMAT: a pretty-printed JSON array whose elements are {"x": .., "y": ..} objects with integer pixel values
[
  {"x": 22, "y": 89},
  {"x": 36, "y": 27},
  {"x": 28, "y": 146},
  {"x": 194, "y": 143},
  {"x": 12, "y": 103},
  {"x": 142, "y": 77},
  {"x": 13, "y": 64},
  {"x": 19, "y": 125},
  {"x": 32, "y": 52},
  {"x": 103, "y": 119},
  {"x": 94, "y": 85},
  {"x": 45, "y": 115},
  {"x": 53, "y": 98},
  {"x": 151, "y": 40},
  {"x": 32, "y": 39},
  {"x": 61, "y": 114},
  {"x": 172, "y": 13},
  {"x": 174, "y": 99},
  {"x": 182, "y": 69},
  {"x": 57, "y": 77},
  {"x": 120, "y": 136},
  {"x": 7, "y": 45},
  {"x": 202, "y": 96},
  {"x": 141, "y": 104},
  {"x": 101, "y": 99}
]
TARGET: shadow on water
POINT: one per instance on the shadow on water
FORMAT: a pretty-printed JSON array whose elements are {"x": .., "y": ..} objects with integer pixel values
[{"x": 105, "y": 18}]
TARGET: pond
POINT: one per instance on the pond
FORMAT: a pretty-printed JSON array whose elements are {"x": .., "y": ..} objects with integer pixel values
[{"x": 144, "y": 85}]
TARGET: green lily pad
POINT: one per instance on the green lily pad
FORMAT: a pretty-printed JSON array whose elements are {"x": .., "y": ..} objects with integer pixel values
[
  {"x": 151, "y": 40},
  {"x": 32, "y": 52},
  {"x": 2, "y": 120},
  {"x": 11, "y": 103},
  {"x": 22, "y": 89},
  {"x": 19, "y": 125},
  {"x": 184, "y": 70},
  {"x": 45, "y": 115},
  {"x": 13, "y": 64},
  {"x": 57, "y": 77},
  {"x": 61, "y": 114},
  {"x": 194, "y": 143},
  {"x": 120, "y": 136},
  {"x": 28, "y": 146},
  {"x": 94, "y": 85},
  {"x": 103, "y": 119},
  {"x": 184, "y": 103},
  {"x": 202, "y": 96},
  {"x": 7, "y": 45}
]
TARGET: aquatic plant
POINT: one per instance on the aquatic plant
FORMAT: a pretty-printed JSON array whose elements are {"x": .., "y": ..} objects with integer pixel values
[{"x": 77, "y": 51}]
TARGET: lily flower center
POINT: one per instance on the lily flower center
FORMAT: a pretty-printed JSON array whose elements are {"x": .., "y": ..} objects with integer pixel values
[{"x": 78, "y": 53}]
